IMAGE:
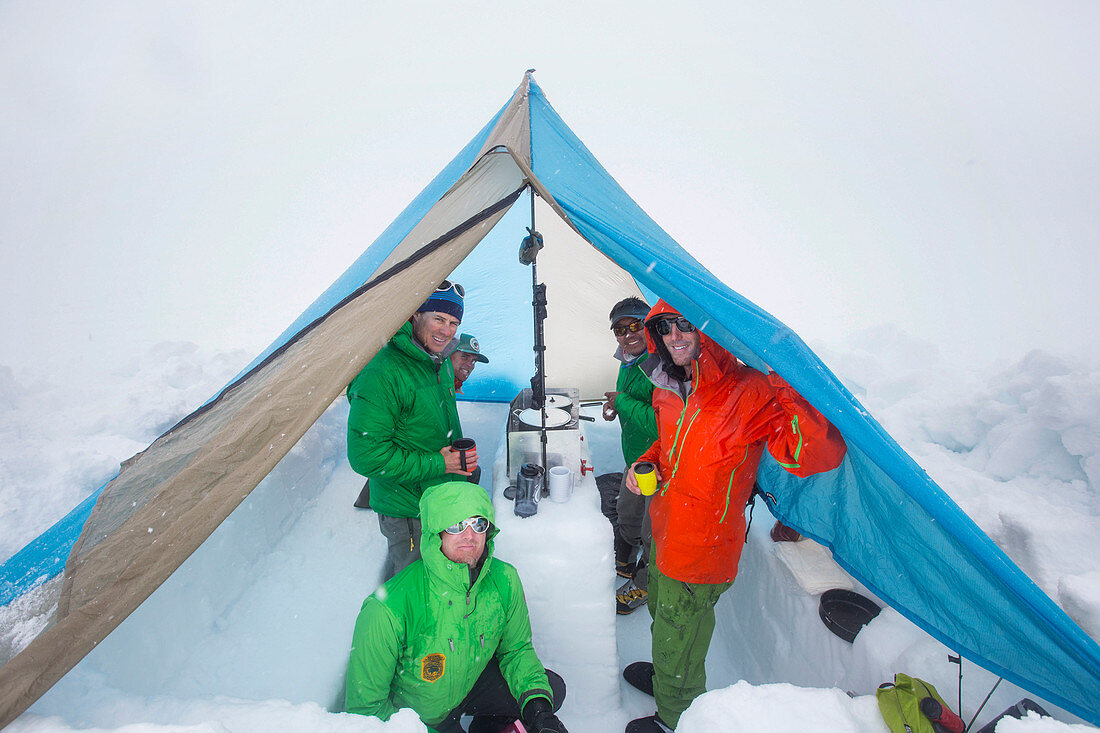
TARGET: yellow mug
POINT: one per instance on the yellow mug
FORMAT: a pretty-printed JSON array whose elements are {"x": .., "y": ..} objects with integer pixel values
[{"x": 644, "y": 474}]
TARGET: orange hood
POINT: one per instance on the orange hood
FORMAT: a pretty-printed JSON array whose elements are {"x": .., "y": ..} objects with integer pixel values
[{"x": 656, "y": 344}]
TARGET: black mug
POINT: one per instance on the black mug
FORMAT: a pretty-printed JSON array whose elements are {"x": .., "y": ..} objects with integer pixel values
[{"x": 463, "y": 445}]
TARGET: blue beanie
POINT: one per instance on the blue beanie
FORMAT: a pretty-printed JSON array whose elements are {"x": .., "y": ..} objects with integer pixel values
[{"x": 446, "y": 299}]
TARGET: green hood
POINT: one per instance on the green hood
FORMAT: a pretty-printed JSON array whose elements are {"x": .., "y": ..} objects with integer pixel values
[
  {"x": 431, "y": 609},
  {"x": 441, "y": 506}
]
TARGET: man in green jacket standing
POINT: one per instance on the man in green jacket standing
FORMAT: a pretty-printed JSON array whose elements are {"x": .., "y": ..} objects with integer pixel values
[
  {"x": 631, "y": 404},
  {"x": 450, "y": 634},
  {"x": 403, "y": 419}
]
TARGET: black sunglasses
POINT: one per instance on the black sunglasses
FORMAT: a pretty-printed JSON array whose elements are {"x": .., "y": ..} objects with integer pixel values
[
  {"x": 664, "y": 326},
  {"x": 632, "y": 327}
]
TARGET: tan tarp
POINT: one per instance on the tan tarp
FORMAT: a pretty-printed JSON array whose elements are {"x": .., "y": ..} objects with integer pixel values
[
  {"x": 168, "y": 499},
  {"x": 581, "y": 287},
  {"x": 190, "y": 479}
]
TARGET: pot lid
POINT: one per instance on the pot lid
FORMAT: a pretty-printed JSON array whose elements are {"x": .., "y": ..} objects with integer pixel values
[
  {"x": 555, "y": 417},
  {"x": 558, "y": 400}
]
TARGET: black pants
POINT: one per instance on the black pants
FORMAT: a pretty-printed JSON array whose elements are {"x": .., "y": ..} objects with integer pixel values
[{"x": 490, "y": 697}]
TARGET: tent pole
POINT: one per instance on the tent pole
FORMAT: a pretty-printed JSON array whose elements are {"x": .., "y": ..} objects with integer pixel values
[
  {"x": 538, "y": 383},
  {"x": 528, "y": 253}
]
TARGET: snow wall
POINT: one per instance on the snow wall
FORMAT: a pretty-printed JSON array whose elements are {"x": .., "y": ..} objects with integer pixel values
[{"x": 265, "y": 608}]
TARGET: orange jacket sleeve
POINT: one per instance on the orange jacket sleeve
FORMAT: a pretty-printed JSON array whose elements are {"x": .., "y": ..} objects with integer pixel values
[{"x": 799, "y": 437}]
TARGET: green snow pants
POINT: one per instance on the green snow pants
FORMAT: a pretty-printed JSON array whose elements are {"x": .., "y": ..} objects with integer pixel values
[{"x": 683, "y": 623}]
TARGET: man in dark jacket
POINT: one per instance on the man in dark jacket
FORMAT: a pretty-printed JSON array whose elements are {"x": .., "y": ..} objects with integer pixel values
[
  {"x": 450, "y": 635},
  {"x": 403, "y": 419},
  {"x": 631, "y": 404}
]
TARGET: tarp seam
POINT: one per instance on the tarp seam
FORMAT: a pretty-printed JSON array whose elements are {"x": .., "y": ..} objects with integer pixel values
[{"x": 395, "y": 269}]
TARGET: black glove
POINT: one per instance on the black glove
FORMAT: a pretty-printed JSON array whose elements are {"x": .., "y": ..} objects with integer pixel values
[{"x": 538, "y": 717}]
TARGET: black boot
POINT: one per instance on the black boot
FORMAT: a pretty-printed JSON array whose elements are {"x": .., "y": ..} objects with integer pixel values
[
  {"x": 640, "y": 676},
  {"x": 648, "y": 724},
  {"x": 489, "y": 723}
]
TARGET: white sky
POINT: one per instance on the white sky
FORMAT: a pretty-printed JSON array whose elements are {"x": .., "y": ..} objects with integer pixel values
[{"x": 202, "y": 171}]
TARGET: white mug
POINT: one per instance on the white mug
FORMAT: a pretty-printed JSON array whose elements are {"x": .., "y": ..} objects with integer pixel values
[{"x": 561, "y": 484}]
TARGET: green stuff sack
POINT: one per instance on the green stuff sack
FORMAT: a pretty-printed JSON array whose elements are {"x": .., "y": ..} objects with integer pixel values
[{"x": 899, "y": 703}]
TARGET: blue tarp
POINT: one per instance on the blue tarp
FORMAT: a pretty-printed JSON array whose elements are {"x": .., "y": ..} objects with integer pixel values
[
  {"x": 886, "y": 521},
  {"x": 44, "y": 557}
]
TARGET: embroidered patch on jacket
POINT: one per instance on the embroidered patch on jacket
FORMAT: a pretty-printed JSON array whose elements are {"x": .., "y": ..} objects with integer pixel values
[{"x": 432, "y": 667}]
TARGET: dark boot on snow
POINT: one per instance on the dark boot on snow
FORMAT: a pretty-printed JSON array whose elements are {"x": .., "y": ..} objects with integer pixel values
[
  {"x": 648, "y": 724},
  {"x": 640, "y": 676},
  {"x": 490, "y": 723}
]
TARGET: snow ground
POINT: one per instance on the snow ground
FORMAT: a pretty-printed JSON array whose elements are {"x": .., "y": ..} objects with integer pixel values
[{"x": 259, "y": 642}]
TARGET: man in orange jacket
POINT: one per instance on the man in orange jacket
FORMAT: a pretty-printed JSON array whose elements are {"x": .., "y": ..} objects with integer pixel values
[{"x": 715, "y": 417}]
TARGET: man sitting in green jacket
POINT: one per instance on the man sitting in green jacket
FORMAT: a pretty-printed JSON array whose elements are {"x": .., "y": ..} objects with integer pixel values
[
  {"x": 403, "y": 419},
  {"x": 450, "y": 635}
]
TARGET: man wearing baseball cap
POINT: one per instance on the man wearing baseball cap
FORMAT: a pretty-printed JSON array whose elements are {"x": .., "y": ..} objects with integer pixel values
[
  {"x": 464, "y": 358},
  {"x": 403, "y": 419},
  {"x": 630, "y": 403}
]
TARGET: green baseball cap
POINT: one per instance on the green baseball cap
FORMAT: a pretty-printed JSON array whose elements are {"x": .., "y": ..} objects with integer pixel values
[{"x": 468, "y": 344}]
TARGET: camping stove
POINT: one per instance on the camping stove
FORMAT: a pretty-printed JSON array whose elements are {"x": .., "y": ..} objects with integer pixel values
[{"x": 563, "y": 442}]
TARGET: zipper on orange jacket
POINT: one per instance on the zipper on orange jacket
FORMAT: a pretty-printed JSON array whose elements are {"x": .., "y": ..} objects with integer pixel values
[
  {"x": 729, "y": 488},
  {"x": 680, "y": 424},
  {"x": 798, "y": 448}
]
